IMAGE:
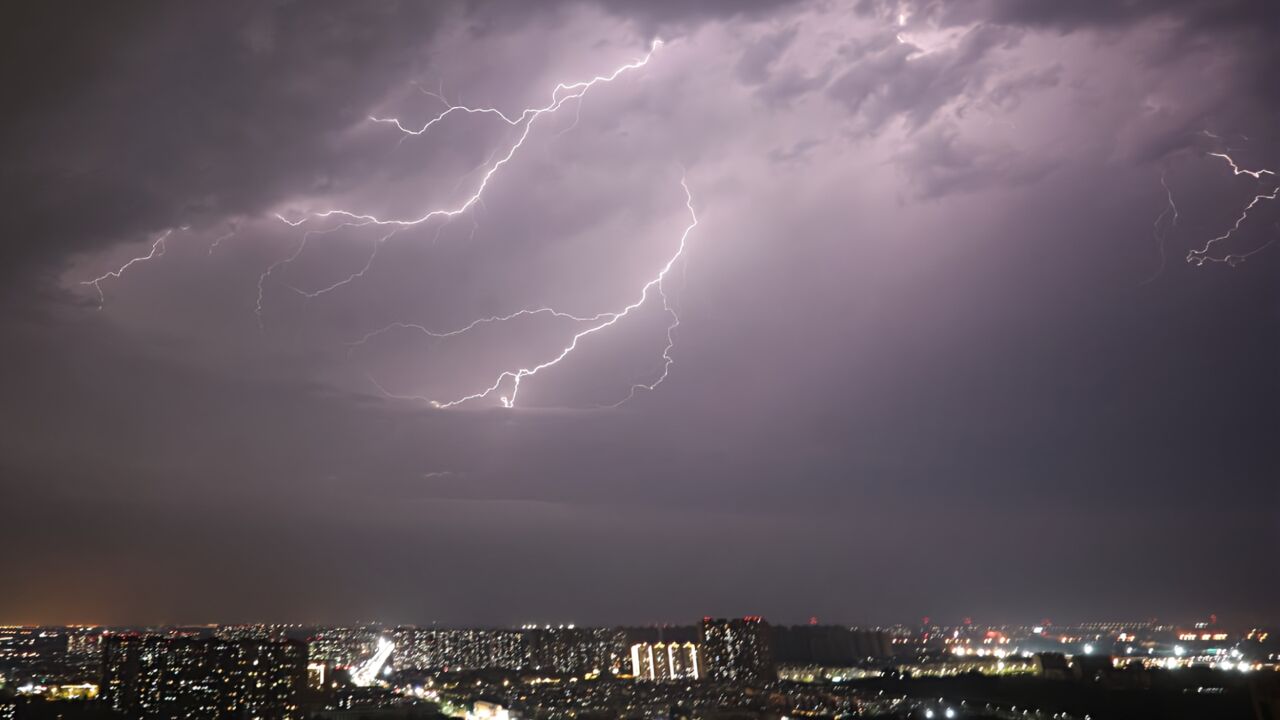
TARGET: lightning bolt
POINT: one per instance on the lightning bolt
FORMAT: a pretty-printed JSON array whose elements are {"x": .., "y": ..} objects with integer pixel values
[
  {"x": 157, "y": 249},
  {"x": 1237, "y": 170},
  {"x": 1201, "y": 255},
  {"x": 1160, "y": 233},
  {"x": 667, "y": 359},
  {"x": 353, "y": 276},
  {"x": 526, "y": 119},
  {"x": 297, "y": 252},
  {"x": 596, "y": 323},
  {"x": 225, "y": 236},
  {"x": 1205, "y": 254},
  {"x": 531, "y": 312},
  {"x": 507, "y": 384}
]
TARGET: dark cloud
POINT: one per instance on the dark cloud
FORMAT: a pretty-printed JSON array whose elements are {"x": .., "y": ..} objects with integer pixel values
[
  {"x": 754, "y": 65},
  {"x": 156, "y": 115},
  {"x": 1087, "y": 14},
  {"x": 939, "y": 162},
  {"x": 916, "y": 329},
  {"x": 139, "y": 119},
  {"x": 893, "y": 78},
  {"x": 1007, "y": 93}
]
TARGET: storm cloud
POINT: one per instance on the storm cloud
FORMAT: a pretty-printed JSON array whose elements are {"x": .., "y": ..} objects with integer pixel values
[{"x": 933, "y": 358}]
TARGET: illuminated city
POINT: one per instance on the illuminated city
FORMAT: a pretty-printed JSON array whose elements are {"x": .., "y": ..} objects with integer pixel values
[
  {"x": 717, "y": 666},
  {"x": 640, "y": 360}
]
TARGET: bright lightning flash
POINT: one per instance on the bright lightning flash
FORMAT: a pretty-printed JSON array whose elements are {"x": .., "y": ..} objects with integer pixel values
[
  {"x": 563, "y": 93},
  {"x": 507, "y": 384},
  {"x": 1204, "y": 254},
  {"x": 508, "y": 380},
  {"x": 157, "y": 249},
  {"x": 596, "y": 323}
]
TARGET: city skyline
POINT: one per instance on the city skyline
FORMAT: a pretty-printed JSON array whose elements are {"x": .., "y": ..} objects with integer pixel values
[
  {"x": 490, "y": 312},
  {"x": 676, "y": 626},
  {"x": 743, "y": 665}
]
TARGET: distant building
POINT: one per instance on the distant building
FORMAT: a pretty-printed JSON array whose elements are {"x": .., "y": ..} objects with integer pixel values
[
  {"x": 152, "y": 677},
  {"x": 555, "y": 649},
  {"x": 85, "y": 643},
  {"x": 343, "y": 646},
  {"x": 576, "y": 650},
  {"x": 666, "y": 662},
  {"x": 738, "y": 650},
  {"x": 832, "y": 645},
  {"x": 259, "y": 631},
  {"x": 1054, "y": 666},
  {"x": 455, "y": 649},
  {"x": 317, "y": 674}
]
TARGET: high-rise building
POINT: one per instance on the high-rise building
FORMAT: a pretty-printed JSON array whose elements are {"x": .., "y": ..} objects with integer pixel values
[
  {"x": 738, "y": 650},
  {"x": 153, "y": 677},
  {"x": 85, "y": 643},
  {"x": 454, "y": 649},
  {"x": 571, "y": 650},
  {"x": 343, "y": 646},
  {"x": 558, "y": 649},
  {"x": 665, "y": 662}
]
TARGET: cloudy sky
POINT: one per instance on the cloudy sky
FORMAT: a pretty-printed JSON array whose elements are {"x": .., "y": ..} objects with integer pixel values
[{"x": 939, "y": 349}]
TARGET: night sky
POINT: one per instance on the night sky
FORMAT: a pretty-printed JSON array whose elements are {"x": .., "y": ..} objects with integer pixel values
[{"x": 939, "y": 349}]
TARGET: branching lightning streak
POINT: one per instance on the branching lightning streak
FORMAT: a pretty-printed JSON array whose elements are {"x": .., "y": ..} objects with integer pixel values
[
  {"x": 451, "y": 108},
  {"x": 1237, "y": 170},
  {"x": 218, "y": 240},
  {"x": 1241, "y": 257},
  {"x": 561, "y": 94},
  {"x": 474, "y": 324},
  {"x": 667, "y": 359},
  {"x": 1203, "y": 254},
  {"x": 526, "y": 118},
  {"x": 157, "y": 249},
  {"x": 302, "y": 245},
  {"x": 1156, "y": 231},
  {"x": 596, "y": 324},
  {"x": 508, "y": 381},
  {"x": 353, "y": 276}
]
